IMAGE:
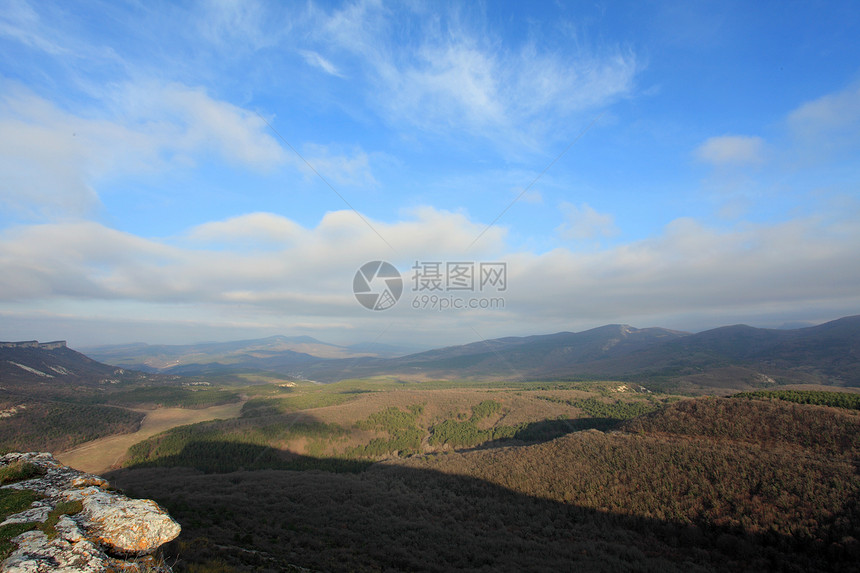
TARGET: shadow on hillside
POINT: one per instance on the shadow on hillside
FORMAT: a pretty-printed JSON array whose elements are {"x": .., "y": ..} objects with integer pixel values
[
  {"x": 228, "y": 456},
  {"x": 546, "y": 430},
  {"x": 364, "y": 517}
]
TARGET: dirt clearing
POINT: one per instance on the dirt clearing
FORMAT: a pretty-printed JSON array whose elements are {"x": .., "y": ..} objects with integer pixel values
[{"x": 99, "y": 456}]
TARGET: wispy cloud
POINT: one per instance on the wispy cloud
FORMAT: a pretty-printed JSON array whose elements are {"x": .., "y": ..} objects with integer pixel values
[
  {"x": 828, "y": 127},
  {"x": 456, "y": 78},
  {"x": 583, "y": 222},
  {"x": 809, "y": 152},
  {"x": 351, "y": 167},
  {"x": 236, "y": 134},
  {"x": 244, "y": 23},
  {"x": 316, "y": 60},
  {"x": 20, "y": 21},
  {"x": 52, "y": 158},
  {"x": 732, "y": 150},
  {"x": 833, "y": 112}
]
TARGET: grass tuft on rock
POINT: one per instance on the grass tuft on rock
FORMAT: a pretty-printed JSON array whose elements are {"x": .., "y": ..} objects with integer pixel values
[{"x": 19, "y": 471}]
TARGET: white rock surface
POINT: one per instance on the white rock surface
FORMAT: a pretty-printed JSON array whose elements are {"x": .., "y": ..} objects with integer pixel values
[
  {"x": 111, "y": 533},
  {"x": 68, "y": 552},
  {"x": 125, "y": 525}
]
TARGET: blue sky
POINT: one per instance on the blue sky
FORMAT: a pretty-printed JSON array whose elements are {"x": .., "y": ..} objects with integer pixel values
[{"x": 180, "y": 172}]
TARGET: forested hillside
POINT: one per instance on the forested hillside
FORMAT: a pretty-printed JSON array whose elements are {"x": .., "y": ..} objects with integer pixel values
[
  {"x": 56, "y": 426},
  {"x": 695, "y": 485}
]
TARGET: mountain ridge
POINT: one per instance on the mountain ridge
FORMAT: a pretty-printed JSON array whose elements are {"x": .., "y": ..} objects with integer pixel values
[
  {"x": 276, "y": 351},
  {"x": 827, "y": 354},
  {"x": 22, "y": 360},
  {"x": 735, "y": 356}
]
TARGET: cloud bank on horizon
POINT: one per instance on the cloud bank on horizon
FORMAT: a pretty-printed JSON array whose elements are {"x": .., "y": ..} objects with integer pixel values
[{"x": 220, "y": 170}]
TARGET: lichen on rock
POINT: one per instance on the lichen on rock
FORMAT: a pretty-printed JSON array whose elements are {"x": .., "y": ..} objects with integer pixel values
[{"x": 108, "y": 531}]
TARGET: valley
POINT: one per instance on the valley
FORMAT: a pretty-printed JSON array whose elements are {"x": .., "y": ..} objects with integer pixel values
[
  {"x": 102, "y": 455},
  {"x": 694, "y": 484},
  {"x": 714, "y": 451}
]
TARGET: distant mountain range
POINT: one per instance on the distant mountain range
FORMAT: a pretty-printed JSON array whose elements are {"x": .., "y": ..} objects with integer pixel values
[
  {"x": 730, "y": 357},
  {"x": 275, "y": 353}
]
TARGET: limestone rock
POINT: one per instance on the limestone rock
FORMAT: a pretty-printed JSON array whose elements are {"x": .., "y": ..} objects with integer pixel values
[
  {"x": 112, "y": 532},
  {"x": 124, "y": 525},
  {"x": 68, "y": 551}
]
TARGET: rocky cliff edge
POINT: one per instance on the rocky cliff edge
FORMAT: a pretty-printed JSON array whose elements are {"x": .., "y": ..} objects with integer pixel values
[{"x": 75, "y": 522}]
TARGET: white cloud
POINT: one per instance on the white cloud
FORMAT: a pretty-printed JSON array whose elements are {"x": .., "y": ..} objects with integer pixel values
[
  {"x": 454, "y": 77},
  {"x": 304, "y": 269},
  {"x": 450, "y": 83},
  {"x": 811, "y": 152},
  {"x": 732, "y": 150},
  {"x": 462, "y": 85},
  {"x": 695, "y": 272},
  {"x": 47, "y": 156},
  {"x": 257, "y": 229},
  {"x": 341, "y": 168},
  {"x": 316, "y": 60},
  {"x": 833, "y": 112},
  {"x": 18, "y": 20},
  {"x": 51, "y": 159},
  {"x": 584, "y": 222},
  {"x": 532, "y": 196},
  {"x": 181, "y": 119},
  {"x": 237, "y": 24},
  {"x": 827, "y": 127},
  {"x": 689, "y": 270}
]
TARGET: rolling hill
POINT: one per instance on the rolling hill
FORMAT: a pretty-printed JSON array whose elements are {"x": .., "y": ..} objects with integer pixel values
[{"x": 707, "y": 484}]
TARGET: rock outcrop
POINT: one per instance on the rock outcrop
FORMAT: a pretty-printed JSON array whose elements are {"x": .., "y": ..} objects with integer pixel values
[{"x": 79, "y": 524}]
